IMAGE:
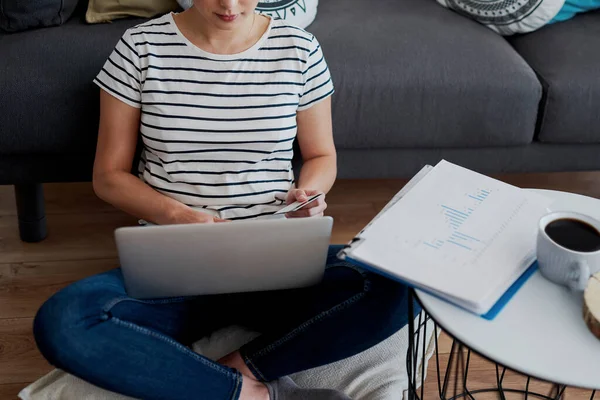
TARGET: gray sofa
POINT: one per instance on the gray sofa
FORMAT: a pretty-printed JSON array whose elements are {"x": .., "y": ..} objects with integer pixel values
[{"x": 415, "y": 83}]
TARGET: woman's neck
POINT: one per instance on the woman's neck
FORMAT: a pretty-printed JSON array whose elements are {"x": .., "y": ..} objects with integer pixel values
[{"x": 208, "y": 37}]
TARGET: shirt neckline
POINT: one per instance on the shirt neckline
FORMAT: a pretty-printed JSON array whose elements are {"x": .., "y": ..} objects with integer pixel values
[{"x": 234, "y": 56}]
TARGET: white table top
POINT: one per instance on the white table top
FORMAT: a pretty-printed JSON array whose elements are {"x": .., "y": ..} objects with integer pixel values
[{"x": 541, "y": 331}]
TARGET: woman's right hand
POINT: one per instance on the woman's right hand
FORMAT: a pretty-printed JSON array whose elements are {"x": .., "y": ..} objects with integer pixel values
[
  {"x": 205, "y": 218},
  {"x": 188, "y": 215}
]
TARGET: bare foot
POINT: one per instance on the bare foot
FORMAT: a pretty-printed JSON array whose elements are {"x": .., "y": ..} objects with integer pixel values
[
  {"x": 253, "y": 390},
  {"x": 235, "y": 360}
]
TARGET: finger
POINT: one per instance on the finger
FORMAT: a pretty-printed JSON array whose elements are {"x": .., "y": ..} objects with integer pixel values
[
  {"x": 315, "y": 203},
  {"x": 292, "y": 196},
  {"x": 217, "y": 219},
  {"x": 311, "y": 192},
  {"x": 309, "y": 211},
  {"x": 300, "y": 195},
  {"x": 305, "y": 213},
  {"x": 205, "y": 220}
]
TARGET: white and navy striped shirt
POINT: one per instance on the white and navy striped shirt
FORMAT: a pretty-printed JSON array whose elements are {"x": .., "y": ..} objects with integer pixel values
[{"x": 218, "y": 129}]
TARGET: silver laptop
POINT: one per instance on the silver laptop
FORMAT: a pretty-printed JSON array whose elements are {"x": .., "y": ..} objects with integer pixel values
[{"x": 239, "y": 256}]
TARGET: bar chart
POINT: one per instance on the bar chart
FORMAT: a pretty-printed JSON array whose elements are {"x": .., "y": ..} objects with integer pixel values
[{"x": 455, "y": 217}]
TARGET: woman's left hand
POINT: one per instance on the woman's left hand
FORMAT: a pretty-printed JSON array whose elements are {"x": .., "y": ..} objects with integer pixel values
[{"x": 312, "y": 209}]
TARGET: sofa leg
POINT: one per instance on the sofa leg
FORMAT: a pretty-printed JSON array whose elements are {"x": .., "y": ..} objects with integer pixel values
[{"x": 31, "y": 211}]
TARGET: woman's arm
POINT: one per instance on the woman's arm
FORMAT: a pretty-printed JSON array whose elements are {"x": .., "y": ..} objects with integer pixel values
[
  {"x": 319, "y": 169},
  {"x": 113, "y": 181},
  {"x": 315, "y": 137}
]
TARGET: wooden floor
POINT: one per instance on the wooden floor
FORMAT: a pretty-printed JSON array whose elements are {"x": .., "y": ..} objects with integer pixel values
[{"x": 80, "y": 243}]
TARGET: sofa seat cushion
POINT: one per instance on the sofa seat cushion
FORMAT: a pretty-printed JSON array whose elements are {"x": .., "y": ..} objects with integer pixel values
[
  {"x": 566, "y": 56},
  {"x": 409, "y": 73},
  {"x": 49, "y": 103}
]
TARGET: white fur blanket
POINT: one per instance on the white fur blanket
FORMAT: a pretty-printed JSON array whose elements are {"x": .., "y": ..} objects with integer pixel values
[{"x": 378, "y": 373}]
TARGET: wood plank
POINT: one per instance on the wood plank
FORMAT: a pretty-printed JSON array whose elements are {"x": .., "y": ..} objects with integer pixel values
[
  {"x": 70, "y": 237},
  {"x": 25, "y": 286},
  {"x": 8, "y": 206},
  {"x": 20, "y": 360},
  {"x": 444, "y": 343},
  {"x": 349, "y": 219},
  {"x": 81, "y": 199},
  {"x": 482, "y": 375},
  {"x": 10, "y": 391},
  {"x": 359, "y": 191}
]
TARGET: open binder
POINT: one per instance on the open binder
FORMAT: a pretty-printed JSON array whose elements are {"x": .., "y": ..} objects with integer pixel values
[{"x": 461, "y": 236}]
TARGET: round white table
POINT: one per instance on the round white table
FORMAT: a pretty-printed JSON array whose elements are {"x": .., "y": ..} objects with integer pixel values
[{"x": 540, "y": 332}]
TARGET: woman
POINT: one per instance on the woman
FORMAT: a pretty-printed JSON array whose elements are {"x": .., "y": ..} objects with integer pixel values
[{"x": 218, "y": 94}]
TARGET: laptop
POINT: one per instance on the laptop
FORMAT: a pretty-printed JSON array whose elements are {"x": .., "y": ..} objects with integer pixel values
[{"x": 240, "y": 256}]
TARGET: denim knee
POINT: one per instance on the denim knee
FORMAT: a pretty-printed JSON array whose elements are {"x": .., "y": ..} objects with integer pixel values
[
  {"x": 390, "y": 298},
  {"x": 61, "y": 322}
]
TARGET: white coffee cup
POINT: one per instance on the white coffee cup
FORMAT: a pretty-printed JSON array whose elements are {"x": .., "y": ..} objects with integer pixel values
[{"x": 565, "y": 266}]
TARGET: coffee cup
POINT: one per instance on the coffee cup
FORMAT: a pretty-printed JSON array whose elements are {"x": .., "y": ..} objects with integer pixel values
[{"x": 568, "y": 248}]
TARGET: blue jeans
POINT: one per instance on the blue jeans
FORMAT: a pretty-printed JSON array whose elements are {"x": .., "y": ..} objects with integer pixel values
[{"x": 93, "y": 330}]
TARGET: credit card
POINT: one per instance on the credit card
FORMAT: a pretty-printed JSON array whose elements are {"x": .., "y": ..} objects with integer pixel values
[{"x": 295, "y": 206}]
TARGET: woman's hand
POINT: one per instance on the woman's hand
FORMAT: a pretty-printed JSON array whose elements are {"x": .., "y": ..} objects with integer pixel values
[
  {"x": 204, "y": 218},
  {"x": 188, "y": 215},
  {"x": 312, "y": 209}
]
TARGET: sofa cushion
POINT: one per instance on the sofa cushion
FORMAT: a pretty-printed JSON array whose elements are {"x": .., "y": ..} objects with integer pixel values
[
  {"x": 409, "y": 73},
  {"x": 566, "y": 56},
  {"x": 49, "y": 103},
  {"x": 19, "y": 15}
]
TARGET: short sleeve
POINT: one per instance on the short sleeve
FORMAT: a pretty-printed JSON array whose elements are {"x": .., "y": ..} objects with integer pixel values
[
  {"x": 121, "y": 74},
  {"x": 317, "y": 80}
]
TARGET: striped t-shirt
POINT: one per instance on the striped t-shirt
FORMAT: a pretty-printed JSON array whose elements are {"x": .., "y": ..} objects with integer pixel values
[{"x": 218, "y": 129}]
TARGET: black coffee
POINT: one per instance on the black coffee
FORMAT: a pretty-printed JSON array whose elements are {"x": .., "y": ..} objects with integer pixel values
[{"x": 574, "y": 234}]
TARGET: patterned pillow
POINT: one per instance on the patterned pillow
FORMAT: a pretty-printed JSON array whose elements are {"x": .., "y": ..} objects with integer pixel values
[
  {"x": 300, "y": 13},
  {"x": 507, "y": 17}
]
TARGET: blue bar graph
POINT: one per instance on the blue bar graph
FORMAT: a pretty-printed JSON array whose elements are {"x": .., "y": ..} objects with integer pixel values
[
  {"x": 455, "y": 215},
  {"x": 456, "y": 218},
  {"x": 454, "y": 210},
  {"x": 459, "y": 245},
  {"x": 481, "y": 195},
  {"x": 466, "y": 236}
]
